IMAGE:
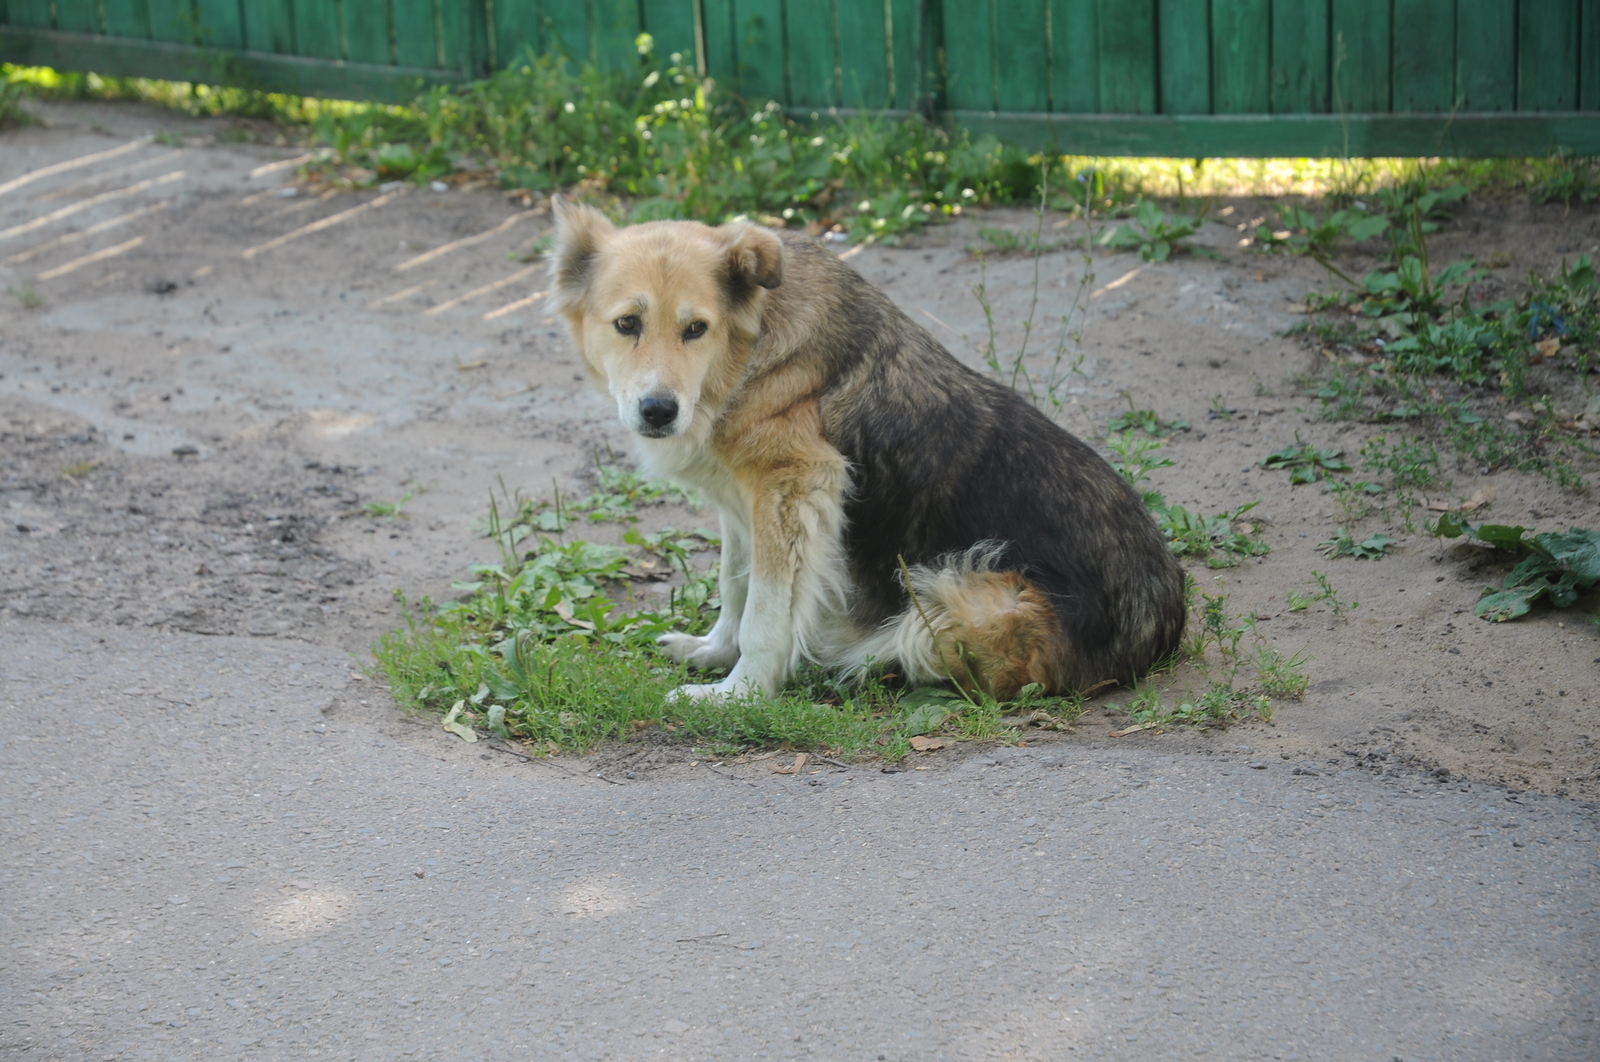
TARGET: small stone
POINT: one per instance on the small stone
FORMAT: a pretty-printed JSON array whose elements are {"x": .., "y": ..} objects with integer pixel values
[
  {"x": 178, "y": 901},
  {"x": 674, "y": 1026}
]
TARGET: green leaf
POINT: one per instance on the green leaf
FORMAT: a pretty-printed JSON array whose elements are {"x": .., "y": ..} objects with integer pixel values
[
  {"x": 1508, "y": 604},
  {"x": 1364, "y": 228},
  {"x": 1577, "y": 551}
]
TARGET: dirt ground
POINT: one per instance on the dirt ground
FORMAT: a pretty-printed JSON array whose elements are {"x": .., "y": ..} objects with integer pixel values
[{"x": 205, "y": 379}]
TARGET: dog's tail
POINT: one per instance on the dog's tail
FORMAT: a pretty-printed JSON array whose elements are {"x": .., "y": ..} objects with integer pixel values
[{"x": 972, "y": 623}]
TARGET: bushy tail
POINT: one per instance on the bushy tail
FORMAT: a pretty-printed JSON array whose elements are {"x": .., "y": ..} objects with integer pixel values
[{"x": 972, "y": 624}]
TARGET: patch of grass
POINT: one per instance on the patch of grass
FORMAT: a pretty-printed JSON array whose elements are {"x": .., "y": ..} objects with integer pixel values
[
  {"x": 1299, "y": 602},
  {"x": 390, "y": 511},
  {"x": 1214, "y": 647},
  {"x": 26, "y": 296},
  {"x": 1216, "y": 540},
  {"x": 1145, "y": 420},
  {"x": 553, "y": 647}
]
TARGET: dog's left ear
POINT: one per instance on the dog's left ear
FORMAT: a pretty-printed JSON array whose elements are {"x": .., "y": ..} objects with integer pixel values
[
  {"x": 755, "y": 257},
  {"x": 580, "y": 230}
]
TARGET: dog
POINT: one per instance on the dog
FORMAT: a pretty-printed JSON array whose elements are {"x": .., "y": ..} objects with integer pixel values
[{"x": 882, "y": 504}]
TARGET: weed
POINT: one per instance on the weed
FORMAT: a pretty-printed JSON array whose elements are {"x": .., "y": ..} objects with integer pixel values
[
  {"x": 12, "y": 94},
  {"x": 1132, "y": 457},
  {"x": 1213, "y": 647},
  {"x": 1554, "y": 566},
  {"x": 1299, "y": 602},
  {"x": 1306, "y": 463},
  {"x": 1155, "y": 234},
  {"x": 1343, "y": 544},
  {"x": 390, "y": 511},
  {"x": 1352, "y": 497},
  {"x": 1145, "y": 420},
  {"x": 1193, "y": 535},
  {"x": 1213, "y": 539},
  {"x": 1281, "y": 676},
  {"x": 1046, "y": 388},
  {"x": 26, "y": 296}
]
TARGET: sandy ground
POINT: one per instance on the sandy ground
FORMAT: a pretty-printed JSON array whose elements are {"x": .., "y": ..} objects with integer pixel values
[
  {"x": 223, "y": 841},
  {"x": 208, "y": 395}
]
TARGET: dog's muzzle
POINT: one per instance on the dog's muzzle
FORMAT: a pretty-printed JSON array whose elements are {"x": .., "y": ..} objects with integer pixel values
[{"x": 658, "y": 412}]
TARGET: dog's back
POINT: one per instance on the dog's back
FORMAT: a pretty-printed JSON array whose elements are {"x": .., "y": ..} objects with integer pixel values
[{"x": 1000, "y": 514}]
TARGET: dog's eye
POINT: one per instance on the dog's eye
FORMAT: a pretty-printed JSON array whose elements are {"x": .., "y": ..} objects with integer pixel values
[
  {"x": 695, "y": 330},
  {"x": 628, "y": 325}
]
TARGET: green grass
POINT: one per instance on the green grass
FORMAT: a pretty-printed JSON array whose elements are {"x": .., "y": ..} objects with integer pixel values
[
  {"x": 1240, "y": 682},
  {"x": 553, "y": 646}
]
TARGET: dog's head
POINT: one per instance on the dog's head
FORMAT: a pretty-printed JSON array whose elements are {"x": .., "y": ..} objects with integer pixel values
[{"x": 663, "y": 313}]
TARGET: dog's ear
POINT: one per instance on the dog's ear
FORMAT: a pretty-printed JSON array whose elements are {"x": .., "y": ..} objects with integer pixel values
[
  {"x": 580, "y": 231},
  {"x": 755, "y": 259}
]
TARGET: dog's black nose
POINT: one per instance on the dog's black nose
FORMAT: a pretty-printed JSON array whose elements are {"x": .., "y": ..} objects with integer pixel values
[{"x": 660, "y": 411}]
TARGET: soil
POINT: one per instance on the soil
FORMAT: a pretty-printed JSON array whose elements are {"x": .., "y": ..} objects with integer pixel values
[{"x": 193, "y": 426}]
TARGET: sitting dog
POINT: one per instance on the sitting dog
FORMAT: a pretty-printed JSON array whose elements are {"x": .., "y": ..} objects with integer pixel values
[{"x": 882, "y": 505}]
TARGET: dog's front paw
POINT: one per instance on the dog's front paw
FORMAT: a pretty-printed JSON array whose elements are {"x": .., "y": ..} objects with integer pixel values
[
  {"x": 698, "y": 652},
  {"x": 710, "y": 691}
]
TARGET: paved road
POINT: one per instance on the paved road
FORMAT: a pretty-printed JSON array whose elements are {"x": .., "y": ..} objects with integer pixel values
[{"x": 221, "y": 848}]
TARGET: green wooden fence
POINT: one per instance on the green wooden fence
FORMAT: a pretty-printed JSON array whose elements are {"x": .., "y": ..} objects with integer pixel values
[{"x": 1148, "y": 77}]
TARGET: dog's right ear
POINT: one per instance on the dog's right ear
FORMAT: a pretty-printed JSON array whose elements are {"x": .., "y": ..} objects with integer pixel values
[{"x": 580, "y": 231}]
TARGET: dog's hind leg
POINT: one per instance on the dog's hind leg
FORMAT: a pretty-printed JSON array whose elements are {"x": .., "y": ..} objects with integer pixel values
[
  {"x": 720, "y": 648},
  {"x": 981, "y": 629}
]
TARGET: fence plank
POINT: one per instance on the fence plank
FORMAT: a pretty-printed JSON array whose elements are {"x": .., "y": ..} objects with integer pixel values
[
  {"x": 1424, "y": 67},
  {"x": 864, "y": 61},
  {"x": 1241, "y": 50},
  {"x": 721, "y": 59},
  {"x": 616, "y": 26},
  {"x": 1023, "y": 49},
  {"x": 30, "y": 13},
  {"x": 1185, "y": 28},
  {"x": 1547, "y": 59},
  {"x": 78, "y": 16},
  {"x": 1486, "y": 55},
  {"x": 126, "y": 19},
  {"x": 1300, "y": 56},
  {"x": 808, "y": 36},
  {"x": 269, "y": 25},
  {"x": 316, "y": 28},
  {"x": 1128, "y": 56},
  {"x": 969, "y": 54},
  {"x": 671, "y": 24},
  {"x": 366, "y": 31},
  {"x": 1361, "y": 47},
  {"x": 1589, "y": 50},
  {"x": 566, "y": 24},
  {"x": 1075, "y": 56},
  {"x": 758, "y": 25},
  {"x": 221, "y": 23},
  {"x": 517, "y": 26}
]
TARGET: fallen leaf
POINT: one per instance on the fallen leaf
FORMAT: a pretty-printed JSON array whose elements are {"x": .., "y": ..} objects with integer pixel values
[
  {"x": 800, "y": 759},
  {"x": 1479, "y": 499},
  {"x": 1548, "y": 348},
  {"x": 928, "y": 744},
  {"x": 566, "y": 613},
  {"x": 1134, "y": 729},
  {"x": 461, "y": 730},
  {"x": 465, "y": 366}
]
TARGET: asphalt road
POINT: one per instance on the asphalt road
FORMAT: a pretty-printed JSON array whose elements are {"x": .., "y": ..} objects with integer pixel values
[{"x": 223, "y": 848}]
